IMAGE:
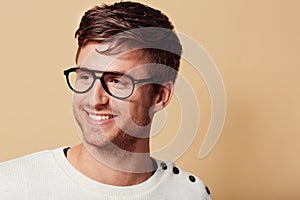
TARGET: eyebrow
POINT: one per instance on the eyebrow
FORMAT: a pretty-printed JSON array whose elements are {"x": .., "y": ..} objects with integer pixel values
[{"x": 121, "y": 71}]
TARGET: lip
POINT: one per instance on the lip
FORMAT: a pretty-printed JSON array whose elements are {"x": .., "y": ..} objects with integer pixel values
[{"x": 102, "y": 121}]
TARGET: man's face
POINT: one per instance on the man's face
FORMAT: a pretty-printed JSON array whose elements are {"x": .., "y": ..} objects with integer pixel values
[{"x": 105, "y": 120}]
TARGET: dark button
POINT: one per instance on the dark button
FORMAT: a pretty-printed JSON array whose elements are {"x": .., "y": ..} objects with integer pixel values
[
  {"x": 192, "y": 178},
  {"x": 207, "y": 190},
  {"x": 163, "y": 166},
  {"x": 175, "y": 170}
]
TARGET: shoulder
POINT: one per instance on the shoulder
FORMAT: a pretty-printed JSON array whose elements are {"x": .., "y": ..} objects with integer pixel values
[
  {"x": 34, "y": 170},
  {"x": 26, "y": 165},
  {"x": 23, "y": 161},
  {"x": 181, "y": 183}
]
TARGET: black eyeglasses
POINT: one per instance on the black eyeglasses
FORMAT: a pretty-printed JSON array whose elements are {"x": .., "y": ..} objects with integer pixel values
[{"x": 118, "y": 85}]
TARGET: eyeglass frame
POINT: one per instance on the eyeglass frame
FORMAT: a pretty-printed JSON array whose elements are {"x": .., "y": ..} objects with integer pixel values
[{"x": 103, "y": 83}]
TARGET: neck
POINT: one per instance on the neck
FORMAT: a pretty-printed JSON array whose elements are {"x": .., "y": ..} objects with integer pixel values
[{"x": 127, "y": 169}]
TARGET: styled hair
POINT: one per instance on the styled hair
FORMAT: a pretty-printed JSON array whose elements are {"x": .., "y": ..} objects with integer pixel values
[{"x": 130, "y": 25}]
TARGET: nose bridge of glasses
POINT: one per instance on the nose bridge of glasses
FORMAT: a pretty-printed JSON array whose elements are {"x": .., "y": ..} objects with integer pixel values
[{"x": 102, "y": 84}]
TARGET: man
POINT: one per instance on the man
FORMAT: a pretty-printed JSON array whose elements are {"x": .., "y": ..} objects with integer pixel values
[{"x": 127, "y": 62}]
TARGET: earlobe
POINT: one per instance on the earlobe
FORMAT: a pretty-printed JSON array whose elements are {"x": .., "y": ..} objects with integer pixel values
[
  {"x": 164, "y": 96},
  {"x": 156, "y": 107}
]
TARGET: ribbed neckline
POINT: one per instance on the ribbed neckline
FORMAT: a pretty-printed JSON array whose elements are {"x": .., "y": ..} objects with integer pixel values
[{"x": 105, "y": 189}]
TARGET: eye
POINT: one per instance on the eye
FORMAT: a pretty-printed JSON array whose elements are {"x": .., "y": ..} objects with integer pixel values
[
  {"x": 118, "y": 81},
  {"x": 84, "y": 76}
]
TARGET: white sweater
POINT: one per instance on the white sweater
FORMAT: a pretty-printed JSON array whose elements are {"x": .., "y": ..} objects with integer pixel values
[{"x": 49, "y": 175}]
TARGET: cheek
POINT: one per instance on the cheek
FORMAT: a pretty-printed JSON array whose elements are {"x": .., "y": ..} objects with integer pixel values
[
  {"x": 140, "y": 116},
  {"x": 139, "y": 112},
  {"x": 77, "y": 100},
  {"x": 80, "y": 97}
]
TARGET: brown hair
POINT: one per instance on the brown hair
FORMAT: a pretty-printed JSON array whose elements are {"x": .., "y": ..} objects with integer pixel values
[{"x": 136, "y": 25}]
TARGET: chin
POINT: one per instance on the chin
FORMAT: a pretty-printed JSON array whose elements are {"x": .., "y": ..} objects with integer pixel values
[
  {"x": 119, "y": 142},
  {"x": 95, "y": 139}
]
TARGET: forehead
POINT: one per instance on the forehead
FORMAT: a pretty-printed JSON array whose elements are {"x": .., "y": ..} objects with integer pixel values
[{"x": 126, "y": 62}]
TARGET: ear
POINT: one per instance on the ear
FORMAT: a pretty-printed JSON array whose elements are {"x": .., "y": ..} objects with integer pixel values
[{"x": 164, "y": 96}]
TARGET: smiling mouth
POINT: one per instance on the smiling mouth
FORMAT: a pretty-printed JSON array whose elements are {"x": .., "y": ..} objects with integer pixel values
[{"x": 101, "y": 117}]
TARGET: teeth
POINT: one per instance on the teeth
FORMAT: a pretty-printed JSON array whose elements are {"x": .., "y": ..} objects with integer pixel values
[{"x": 100, "y": 117}]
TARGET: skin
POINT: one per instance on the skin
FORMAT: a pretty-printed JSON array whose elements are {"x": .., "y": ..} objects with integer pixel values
[{"x": 111, "y": 143}]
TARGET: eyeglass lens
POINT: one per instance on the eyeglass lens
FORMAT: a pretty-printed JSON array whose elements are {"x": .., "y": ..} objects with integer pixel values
[{"x": 118, "y": 85}]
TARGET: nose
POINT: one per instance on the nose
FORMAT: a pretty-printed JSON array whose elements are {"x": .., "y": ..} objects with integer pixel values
[{"x": 98, "y": 96}]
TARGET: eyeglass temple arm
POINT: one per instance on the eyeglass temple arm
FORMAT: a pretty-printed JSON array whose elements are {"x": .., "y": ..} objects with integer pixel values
[{"x": 152, "y": 80}]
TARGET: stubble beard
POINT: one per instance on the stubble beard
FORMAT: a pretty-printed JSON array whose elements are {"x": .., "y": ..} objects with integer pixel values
[{"x": 117, "y": 143}]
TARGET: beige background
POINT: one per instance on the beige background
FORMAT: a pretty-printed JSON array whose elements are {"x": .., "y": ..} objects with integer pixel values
[{"x": 255, "y": 45}]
